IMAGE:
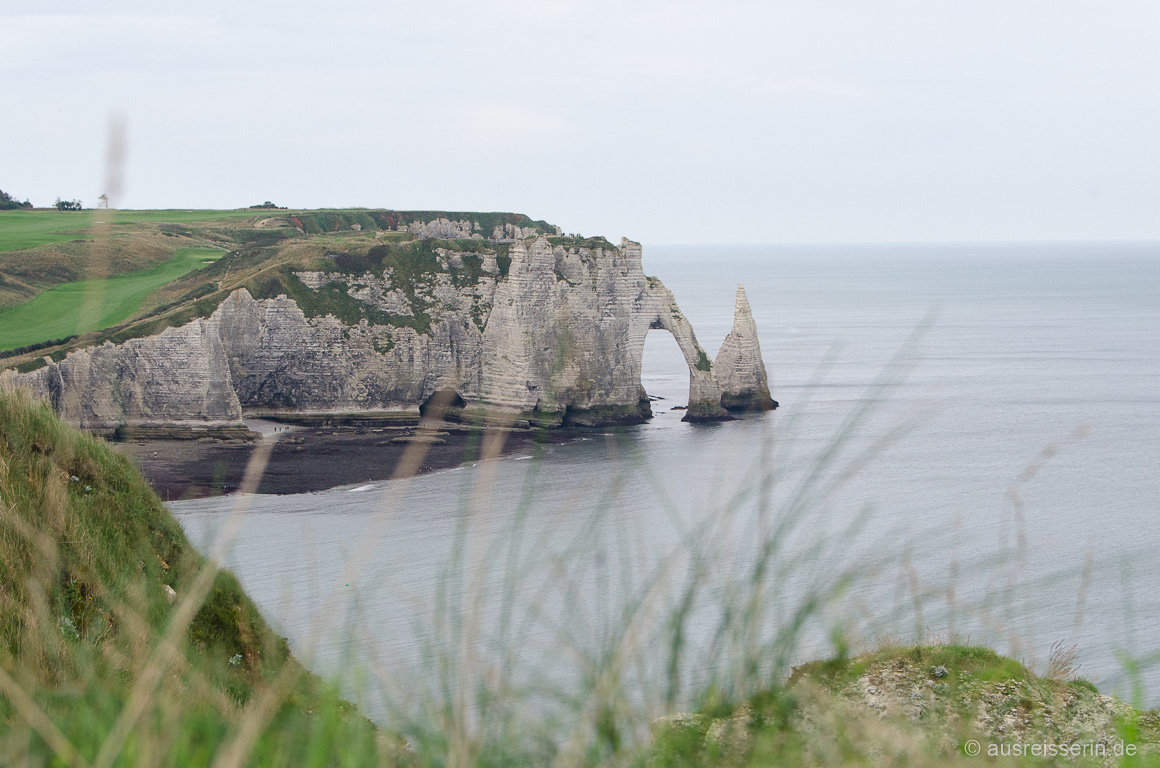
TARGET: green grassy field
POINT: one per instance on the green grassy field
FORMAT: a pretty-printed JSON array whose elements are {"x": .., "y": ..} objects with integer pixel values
[
  {"x": 90, "y": 305},
  {"x": 29, "y": 229}
]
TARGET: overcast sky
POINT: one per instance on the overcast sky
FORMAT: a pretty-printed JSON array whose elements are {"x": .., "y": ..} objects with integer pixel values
[{"x": 668, "y": 122}]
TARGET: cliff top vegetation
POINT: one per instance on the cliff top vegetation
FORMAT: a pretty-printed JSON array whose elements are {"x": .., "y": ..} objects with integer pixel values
[{"x": 155, "y": 269}]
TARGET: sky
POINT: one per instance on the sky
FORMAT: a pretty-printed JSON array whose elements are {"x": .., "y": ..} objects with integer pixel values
[{"x": 663, "y": 121}]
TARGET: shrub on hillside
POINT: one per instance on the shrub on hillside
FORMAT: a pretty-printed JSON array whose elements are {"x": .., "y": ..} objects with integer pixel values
[{"x": 8, "y": 202}]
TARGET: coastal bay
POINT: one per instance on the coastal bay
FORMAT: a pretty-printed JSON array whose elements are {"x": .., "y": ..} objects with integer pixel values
[{"x": 1037, "y": 356}]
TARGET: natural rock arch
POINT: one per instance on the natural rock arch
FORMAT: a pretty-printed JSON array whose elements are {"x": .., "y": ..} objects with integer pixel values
[{"x": 660, "y": 311}]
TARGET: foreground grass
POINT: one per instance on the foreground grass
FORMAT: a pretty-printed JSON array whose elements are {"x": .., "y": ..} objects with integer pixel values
[
  {"x": 90, "y": 305},
  {"x": 120, "y": 645},
  {"x": 913, "y": 705}
]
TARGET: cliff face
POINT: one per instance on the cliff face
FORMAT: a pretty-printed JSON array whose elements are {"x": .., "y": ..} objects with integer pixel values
[
  {"x": 566, "y": 335},
  {"x": 551, "y": 331},
  {"x": 451, "y": 229},
  {"x": 178, "y": 377}
]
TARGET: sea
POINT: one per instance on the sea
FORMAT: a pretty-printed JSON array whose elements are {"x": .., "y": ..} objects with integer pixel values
[{"x": 967, "y": 449}]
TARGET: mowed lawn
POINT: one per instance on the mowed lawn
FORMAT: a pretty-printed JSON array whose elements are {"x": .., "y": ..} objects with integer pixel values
[
  {"x": 90, "y": 305},
  {"x": 28, "y": 229}
]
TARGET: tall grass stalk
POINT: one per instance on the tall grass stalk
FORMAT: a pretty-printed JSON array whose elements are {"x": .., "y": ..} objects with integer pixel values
[{"x": 480, "y": 711}]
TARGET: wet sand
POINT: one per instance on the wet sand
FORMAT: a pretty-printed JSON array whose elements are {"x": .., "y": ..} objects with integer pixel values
[{"x": 312, "y": 458}]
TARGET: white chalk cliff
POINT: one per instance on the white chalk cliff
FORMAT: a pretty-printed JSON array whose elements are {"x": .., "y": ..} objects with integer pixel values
[{"x": 557, "y": 336}]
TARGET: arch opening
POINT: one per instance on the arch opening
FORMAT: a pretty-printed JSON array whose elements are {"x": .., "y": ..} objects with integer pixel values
[
  {"x": 664, "y": 373},
  {"x": 441, "y": 403}
]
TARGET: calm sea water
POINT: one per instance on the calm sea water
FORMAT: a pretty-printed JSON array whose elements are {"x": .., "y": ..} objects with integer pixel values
[{"x": 1004, "y": 472}]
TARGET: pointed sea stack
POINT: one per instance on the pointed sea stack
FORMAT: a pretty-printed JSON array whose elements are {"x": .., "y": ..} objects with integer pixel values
[{"x": 738, "y": 368}]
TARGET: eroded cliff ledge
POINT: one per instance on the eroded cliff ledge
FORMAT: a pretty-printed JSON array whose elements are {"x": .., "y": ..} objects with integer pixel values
[{"x": 546, "y": 329}]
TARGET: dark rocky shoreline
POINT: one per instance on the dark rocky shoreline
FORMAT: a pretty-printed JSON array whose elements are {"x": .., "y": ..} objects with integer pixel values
[{"x": 315, "y": 458}]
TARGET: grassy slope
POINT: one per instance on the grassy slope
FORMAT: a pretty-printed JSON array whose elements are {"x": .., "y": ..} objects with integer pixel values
[
  {"x": 43, "y": 250},
  {"x": 86, "y": 552},
  {"x": 915, "y": 705},
  {"x": 40, "y": 250},
  {"x": 21, "y": 229},
  {"x": 28, "y": 229},
  {"x": 75, "y": 308},
  {"x": 265, "y": 267}
]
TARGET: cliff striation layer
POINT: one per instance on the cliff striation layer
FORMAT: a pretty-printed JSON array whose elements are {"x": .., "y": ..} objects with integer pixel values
[{"x": 548, "y": 330}]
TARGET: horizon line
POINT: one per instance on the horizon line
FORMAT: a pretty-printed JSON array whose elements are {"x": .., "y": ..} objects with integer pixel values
[{"x": 910, "y": 243}]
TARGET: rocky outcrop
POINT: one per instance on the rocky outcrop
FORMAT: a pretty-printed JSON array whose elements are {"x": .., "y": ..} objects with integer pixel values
[
  {"x": 739, "y": 367},
  {"x": 556, "y": 335},
  {"x": 443, "y": 229},
  {"x": 566, "y": 335},
  {"x": 924, "y": 706},
  {"x": 508, "y": 233}
]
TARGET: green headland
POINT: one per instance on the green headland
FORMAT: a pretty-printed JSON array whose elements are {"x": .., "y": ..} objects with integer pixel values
[{"x": 111, "y": 274}]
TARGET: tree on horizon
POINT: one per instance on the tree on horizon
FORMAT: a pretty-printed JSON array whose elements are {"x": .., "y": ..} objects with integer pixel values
[
  {"x": 68, "y": 205},
  {"x": 8, "y": 202}
]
